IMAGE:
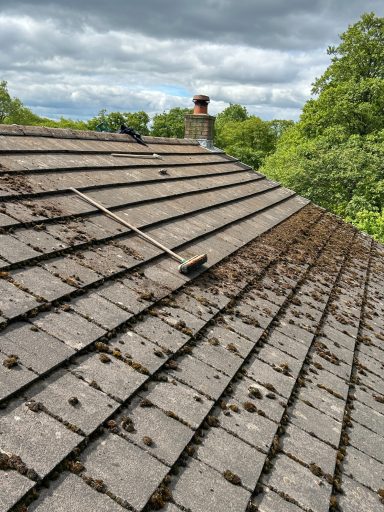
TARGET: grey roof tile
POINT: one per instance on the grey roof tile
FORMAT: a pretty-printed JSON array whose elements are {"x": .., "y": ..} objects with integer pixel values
[
  {"x": 169, "y": 436},
  {"x": 100, "y": 310},
  {"x": 73, "y": 400},
  {"x": 180, "y": 400},
  {"x": 224, "y": 451},
  {"x": 135, "y": 347},
  {"x": 194, "y": 306},
  {"x": 290, "y": 346},
  {"x": 201, "y": 377},
  {"x": 358, "y": 497},
  {"x": 374, "y": 382},
  {"x": 115, "y": 377},
  {"x": 243, "y": 327},
  {"x": 329, "y": 382},
  {"x": 128, "y": 471},
  {"x": 277, "y": 358},
  {"x": 367, "y": 397},
  {"x": 322, "y": 400},
  {"x": 75, "y": 331},
  {"x": 13, "y": 301},
  {"x": 200, "y": 488},
  {"x": 69, "y": 269},
  {"x": 223, "y": 359},
  {"x": 301, "y": 445},
  {"x": 368, "y": 417},
  {"x": 296, "y": 481},
  {"x": 364, "y": 469},
  {"x": 40, "y": 241},
  {"x": 36, "y": 349},
  {"x": 244, "y": 391},
  {"x": 175, "y": 316},
  {"x": 225, "y": 337},
  {"x": 270, "y": 501},
  {"x": 41, "y": 283},
  {"x": 13, "y": 379},
  {"x": 367, "y": 441},
  {"x": 13, "y": 488},
  {"x": 251, "y": 427},
  {"x": 265, "y": 374},
  {"x": 69, "y": 492},
  {"x": 312, "y": 421},
  {"x": 157, "y": 331},
  {"x": 122, "y": 296},
  {"x": 41, "y": 441}
]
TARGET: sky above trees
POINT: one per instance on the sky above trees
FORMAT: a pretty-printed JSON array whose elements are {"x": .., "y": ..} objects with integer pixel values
[{"x": 74, "y": 58}]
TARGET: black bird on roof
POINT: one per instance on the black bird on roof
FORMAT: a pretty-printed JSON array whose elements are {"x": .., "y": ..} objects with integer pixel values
[{"x": 133, "y": 133}]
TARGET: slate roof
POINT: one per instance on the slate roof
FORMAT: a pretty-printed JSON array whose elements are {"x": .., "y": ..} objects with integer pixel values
[{"x": 255, "y": 384}]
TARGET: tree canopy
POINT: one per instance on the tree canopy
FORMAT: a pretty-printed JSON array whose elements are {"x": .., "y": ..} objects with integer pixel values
[
  {"x": 171, "y": 123},
  {"x": 247, "y": 137},
  {"x": 334, "y": 154}
]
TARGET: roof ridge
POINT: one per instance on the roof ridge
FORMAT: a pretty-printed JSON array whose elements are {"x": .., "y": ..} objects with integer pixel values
[{"x": 69, "y": 133}]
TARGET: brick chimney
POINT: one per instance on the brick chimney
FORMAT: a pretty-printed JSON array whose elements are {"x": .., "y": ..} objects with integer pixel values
[{"x": 200, "y": 124}]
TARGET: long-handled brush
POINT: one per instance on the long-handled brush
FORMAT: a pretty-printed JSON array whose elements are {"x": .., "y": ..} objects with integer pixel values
[{"x": 186, "y": 264}]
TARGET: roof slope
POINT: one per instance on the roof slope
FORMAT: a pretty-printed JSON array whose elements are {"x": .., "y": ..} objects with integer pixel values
[{"x": 255, "y": 384}]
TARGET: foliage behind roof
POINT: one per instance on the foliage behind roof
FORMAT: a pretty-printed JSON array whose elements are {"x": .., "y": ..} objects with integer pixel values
[{"x": 126, "y": 385}]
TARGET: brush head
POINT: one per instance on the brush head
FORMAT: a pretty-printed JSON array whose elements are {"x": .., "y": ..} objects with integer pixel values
[{"x": 193, "y": 263}]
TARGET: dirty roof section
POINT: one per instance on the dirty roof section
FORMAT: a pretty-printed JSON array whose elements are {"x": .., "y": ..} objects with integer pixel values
[{"x": 252, "y": 385}]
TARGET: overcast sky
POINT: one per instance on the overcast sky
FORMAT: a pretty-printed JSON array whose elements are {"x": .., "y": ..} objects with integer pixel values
[{"x": 74, "y": 57}]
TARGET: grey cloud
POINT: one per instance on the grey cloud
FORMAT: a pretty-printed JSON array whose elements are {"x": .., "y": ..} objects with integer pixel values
[
  {"x": 293, "y": 24},
  {"x": 73, "y": 58}
]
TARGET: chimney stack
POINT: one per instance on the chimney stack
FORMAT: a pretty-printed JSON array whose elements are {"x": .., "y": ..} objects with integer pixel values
[{"x": 200, "y": 124}]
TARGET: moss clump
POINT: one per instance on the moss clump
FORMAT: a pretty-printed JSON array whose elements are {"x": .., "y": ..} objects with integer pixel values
[
  {"x": 315, "y": 469},
  {"x": 146, "y": 295},
  {"x": 102, "y": 347},
  {"x": 213, "y": 421},
  {"x": 35, "y": 406},
  {"x": 172, "y": 364},
  {"x": 146, "y": 403},
  {"x": 94, "y": 385},
  {"x": 112, "y": 426},
  {"x": 255, "y": 393},
  {"x": 213, "y": 341},
  {"x": 127, "y": 424},
  {"x": 160, "y": 497},
  {"x": 232, "y": 348},
  {"x": 232, "y": 477},
  {"x": 250, "y": 407},
  {"x": 269, "y": 386},
  {"x": 11, "y": 361},
  {"x": 104, "y": 358},
  {"x": 148, "y": 441},
  {"x": 98, "y": 485},
  {"x": 138, "y": 367},
  {"x": 75, "y": 466},
  {"x": 233, "y": 407}
]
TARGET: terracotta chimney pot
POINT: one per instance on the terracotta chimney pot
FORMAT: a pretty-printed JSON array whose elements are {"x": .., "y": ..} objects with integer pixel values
[{"x": 201, "y": 104}]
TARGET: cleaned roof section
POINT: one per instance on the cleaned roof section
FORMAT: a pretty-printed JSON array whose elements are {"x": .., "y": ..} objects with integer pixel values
[{"x": 254, "y": 385}]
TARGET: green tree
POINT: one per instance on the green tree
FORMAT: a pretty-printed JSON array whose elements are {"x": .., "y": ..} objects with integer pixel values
[
  {"x": 247, "y": 137},
  {"x": 249, "y": 140},
  {"x": 137, "y": 120},
  {"x": 12, "y": 111},
  {"x": 334, "y": 155},
  {"x": 170, "y": 124}
]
